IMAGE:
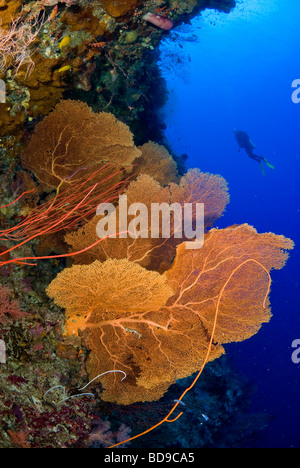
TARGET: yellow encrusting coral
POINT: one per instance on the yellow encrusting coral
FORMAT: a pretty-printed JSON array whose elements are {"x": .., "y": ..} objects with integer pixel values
[{"x": 119, "y": 8}]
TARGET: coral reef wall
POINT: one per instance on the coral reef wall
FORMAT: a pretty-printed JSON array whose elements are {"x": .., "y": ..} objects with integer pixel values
[{"x": 106, "y": 51}]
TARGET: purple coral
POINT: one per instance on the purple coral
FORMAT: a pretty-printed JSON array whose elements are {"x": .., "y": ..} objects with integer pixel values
[
  {"x": 102, "y": 436},
  {"x": 161, "y": 22}
]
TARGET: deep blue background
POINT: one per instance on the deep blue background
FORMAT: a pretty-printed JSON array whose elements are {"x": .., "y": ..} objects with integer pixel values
[{"x": 236, "y": 71}]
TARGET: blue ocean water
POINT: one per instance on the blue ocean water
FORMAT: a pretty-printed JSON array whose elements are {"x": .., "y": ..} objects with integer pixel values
[{"x": 236, "y": 71}]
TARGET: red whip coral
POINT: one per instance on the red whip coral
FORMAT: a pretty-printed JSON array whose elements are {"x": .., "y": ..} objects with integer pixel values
[
  {"x": 219, "y": 291},
  {"x": 68, "y": 209}
]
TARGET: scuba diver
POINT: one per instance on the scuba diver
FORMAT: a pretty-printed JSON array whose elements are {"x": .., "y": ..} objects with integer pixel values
[{"x": 247, "y": 144}]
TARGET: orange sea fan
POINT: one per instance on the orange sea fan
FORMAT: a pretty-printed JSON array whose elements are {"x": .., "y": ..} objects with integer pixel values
[
  {"x": 154, "y": 254},
  {"x": 110, "y": 283},
  {"x": 220, "y": 291},
  {"x": 73, "y": 142},
  {"x": 156, "y": 162}
]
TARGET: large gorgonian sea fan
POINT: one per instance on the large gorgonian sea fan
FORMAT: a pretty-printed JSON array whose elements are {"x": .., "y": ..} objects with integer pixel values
[
  {"x": 73, "y": 142},
  {"x": 162, "y": 328}
]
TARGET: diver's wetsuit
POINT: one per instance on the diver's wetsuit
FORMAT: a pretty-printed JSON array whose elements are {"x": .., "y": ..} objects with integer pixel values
[
  {"x": 257, "y": 158},
  {"x": 244, "y": 141}
]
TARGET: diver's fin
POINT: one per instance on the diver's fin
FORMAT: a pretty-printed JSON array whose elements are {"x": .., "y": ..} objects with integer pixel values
[
  {"x": 262, "y": 169},
  {"x": 269, "y": 165}
]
